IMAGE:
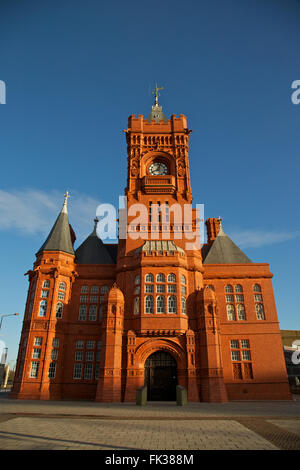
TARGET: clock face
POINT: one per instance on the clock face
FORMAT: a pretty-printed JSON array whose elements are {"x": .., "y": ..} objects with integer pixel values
[{"x": 158, "y": 168}]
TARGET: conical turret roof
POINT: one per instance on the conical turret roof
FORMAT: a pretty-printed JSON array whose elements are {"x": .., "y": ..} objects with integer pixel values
[
  {"x": 93, "y": 250},
  {"x": 59, "y": 239},
  {"x": 224, "y": 251}
]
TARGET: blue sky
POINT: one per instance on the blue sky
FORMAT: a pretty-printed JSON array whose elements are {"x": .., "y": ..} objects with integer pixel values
[{"x": 75, "y": 71}]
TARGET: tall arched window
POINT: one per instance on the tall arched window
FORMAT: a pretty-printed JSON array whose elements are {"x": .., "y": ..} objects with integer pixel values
[
  {"x": 241, "y": 312},
  {"x": 238, "y": 288},
  {"x": 43, "y": 308},
  {"x": 260, "y": 315},
  {"x": 172, "y": 304},
  {"x": 257, "y": 288},
  {"x": 183, "y": 279},
  {"x": 149, "y": 304},
  {"x": 230, "y": 312},
  {"x": 136, "y": 308},
  {"x": 171, "y": 277},
  {"x": 183, "y": 305},
  {"x": 160, "y": 304},
  {"x": 59, "y": 309}
]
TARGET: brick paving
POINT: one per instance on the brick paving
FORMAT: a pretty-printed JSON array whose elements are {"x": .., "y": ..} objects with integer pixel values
[{"x": 60, "y": 425}]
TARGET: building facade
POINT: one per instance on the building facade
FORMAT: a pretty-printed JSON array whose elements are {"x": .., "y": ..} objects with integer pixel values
[{"x": 155, "y": 308}]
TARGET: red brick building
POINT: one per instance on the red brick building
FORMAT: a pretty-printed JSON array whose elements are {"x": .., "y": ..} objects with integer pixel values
[{"x": 103, "y": 320}]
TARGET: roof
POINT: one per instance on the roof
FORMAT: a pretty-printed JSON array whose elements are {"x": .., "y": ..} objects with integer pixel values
[
  {"x": 160, "y": 245},
  {"x": 157, "y": 114},
  {"x": 223, "y": 251},
  {"x": 94, "y": 251},
  {"x": 59, "y": 239}
]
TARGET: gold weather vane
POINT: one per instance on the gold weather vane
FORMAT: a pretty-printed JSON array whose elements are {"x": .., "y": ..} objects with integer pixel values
[{"x": 156, "y": 94}]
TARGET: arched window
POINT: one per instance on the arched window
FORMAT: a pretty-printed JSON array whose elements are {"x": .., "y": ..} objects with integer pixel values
[
  {"x": 94, "y": 290},
  {"x": 257, "y": 288},
  {"x": 183, "y": 305},
  {"x": 172, "y": 304},
  {"x": 62, "y": 286},
  {"x": 84, "y": 289},
  {"x": 183, "y": 279},
  {"x": 171, "y": 277},
  {"x": 104, "y": 289},
  {"x": 211, "y": 287},
  {"x": 46, "y": 283},
  {"x": 241, "y": 312},
  {"x": 149, "y": 304},
  {"x": 160, "y": 278},
  {"x": 82, "y": 312},
  {"x": 238, "y": 288},
  {"x": 43, "y": 308},
  {"x": 136, "y": 307},
  {"x": 59, "y": 309},
  {"x": 137, "y": 280},
  {"x": 230, "y": 312},
  {"x": 160, "y": 304},
  {"x": 149, "y": 278},
  {"x": 228, "y": 288},
  {"x": 260, "y": 315}
]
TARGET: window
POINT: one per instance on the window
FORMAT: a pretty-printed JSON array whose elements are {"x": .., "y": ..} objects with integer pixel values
[
  {"x": 55, "y": 342},
  {"x": 171, "y": 277},
  {"x": 43, "y": 308},
  {"x": 79, "y": 344},
  {"x": 183, "y": 279},
  {"x": 54, "y": 354},
  {"x": 99, "y": 344},
  {"x": 229, "y": 298},
  {"x": 183, "y": 305},
  {"x": 149, "y": 288},
  {"x": 239, "y": 297},
  {"x": 258, "y": 297},
  {"x": 52, "y": 370},
  {"x": 38, "y": 340},
  {"x": 59, "y": 309},
  {"x": 45, "y": 293},
  {"x": 228, "y": 288},
  {"x": 62, "y": 286},
  {"x": 171, "y": 288},
  {"x": 260, "y": 315},
  {"x": 82, "y": 312},
  {"x": 104, "y": 289},
  {"x": 230, "y": 312},
  {"x": 137, "y": 280},
  {"x": 94, "y": 299},
  {"x": 160, "y": 278},
  {"x": 97, "y": 371},
  {"x": 90, "y": 344},
  {"x": 98, "y": 353},
  {"x": 238, "y": 288},
  {"x": 160, "y": 288},
  {"x": 84, "y": 289},
  {"x": 183, "y": 290},
  {"x": 34, "y": 370},
  {"x": 77, "y": 371},
  {"x": 211, "y": 287},
  {"x": 89, "y": 356},
  {"x": 88, "y": 371},
  {"x": 160, "y": 304},
  {"x": 93, "y": 312},
  {"x": 36, "y": 353},
  {"x": 78, "y": 355},
  {"x": 149, "y": 304},
  {"x": 83, "y": 298},
  {"x": 149, "y": 278},
  {"x": 61, "y": 296},
  {"x": 235, "y": 355},
  {"x": 137, "y": 290},
  {"x": 172, "y": 304},
  {"x": 46, "y": 283},
  {"x": 94, "y": 290},
  {"x": 257, "y": 288},
  {"x": 241, "y": 312},
  {"x": 241, "y": 357},
  {"x": 136, "y": 308}
]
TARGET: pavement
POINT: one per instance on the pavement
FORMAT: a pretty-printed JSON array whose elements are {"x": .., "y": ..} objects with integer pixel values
[{"x": 85, "y": 425}]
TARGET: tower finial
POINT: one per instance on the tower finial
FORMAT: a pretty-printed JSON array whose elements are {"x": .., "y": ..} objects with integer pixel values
[
  {"x": 64, "y": 209},
  {"x": 220, "y": 222},
  {"x": 95, "y": 223},
  {"x": 156, "y": 94}
]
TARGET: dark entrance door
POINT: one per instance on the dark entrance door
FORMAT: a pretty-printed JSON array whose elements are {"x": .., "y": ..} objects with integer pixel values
[{"x": 161, "y": 377}]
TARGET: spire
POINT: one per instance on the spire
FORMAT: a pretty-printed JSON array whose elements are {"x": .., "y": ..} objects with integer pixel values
[
  {"x": 156, "y": 112},
  {"x": 59, "y": 239}
]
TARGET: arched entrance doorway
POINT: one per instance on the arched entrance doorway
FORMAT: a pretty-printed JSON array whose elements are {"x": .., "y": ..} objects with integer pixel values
[{"x": 161, "y": 377}]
